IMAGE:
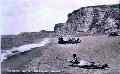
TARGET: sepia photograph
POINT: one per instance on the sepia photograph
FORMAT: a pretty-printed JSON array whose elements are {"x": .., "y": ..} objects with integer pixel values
[{"x": 60, "y": 36}]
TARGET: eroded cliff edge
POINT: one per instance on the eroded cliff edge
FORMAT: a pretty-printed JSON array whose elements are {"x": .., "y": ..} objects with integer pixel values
[{"x": 101, "y": 19}]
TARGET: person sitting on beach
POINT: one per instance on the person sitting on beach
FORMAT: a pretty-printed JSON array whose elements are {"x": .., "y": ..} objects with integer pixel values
[{"x": 75, "y": 60}]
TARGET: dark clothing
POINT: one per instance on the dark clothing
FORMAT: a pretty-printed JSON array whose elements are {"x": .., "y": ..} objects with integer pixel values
[{"x": 75, "y": 60}]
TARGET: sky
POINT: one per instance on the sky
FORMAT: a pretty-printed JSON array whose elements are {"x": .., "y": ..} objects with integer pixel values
[{"x": 34, "y": 15}]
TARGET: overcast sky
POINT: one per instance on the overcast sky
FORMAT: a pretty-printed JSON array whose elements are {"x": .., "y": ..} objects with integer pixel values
[{"x": 34, "y": 15}]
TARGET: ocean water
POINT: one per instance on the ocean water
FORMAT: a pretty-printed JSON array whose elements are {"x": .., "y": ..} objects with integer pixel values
[{"x": 24, "y": 48}]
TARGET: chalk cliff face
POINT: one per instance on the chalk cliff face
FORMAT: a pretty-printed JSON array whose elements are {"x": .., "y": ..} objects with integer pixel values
[{"x": 93, "y": 19}]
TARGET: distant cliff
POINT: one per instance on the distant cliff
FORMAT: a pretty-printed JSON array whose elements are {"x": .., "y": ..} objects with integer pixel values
[
  {"x": 9, "y": 41},
  {"x": 92, "y": 19}
]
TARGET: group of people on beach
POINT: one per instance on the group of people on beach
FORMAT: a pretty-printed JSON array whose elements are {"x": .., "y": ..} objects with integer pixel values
[{"x": 69, "y": 41}]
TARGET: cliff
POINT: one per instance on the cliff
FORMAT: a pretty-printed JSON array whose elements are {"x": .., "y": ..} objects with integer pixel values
[
  {"x": 9, "y": 41},
  {"x": 100, "y": 19}
]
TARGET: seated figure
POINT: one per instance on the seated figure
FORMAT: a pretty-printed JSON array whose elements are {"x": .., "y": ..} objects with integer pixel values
[
  {"x": 75, "y": 60},
  {"x": 60, "y": 40}
]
